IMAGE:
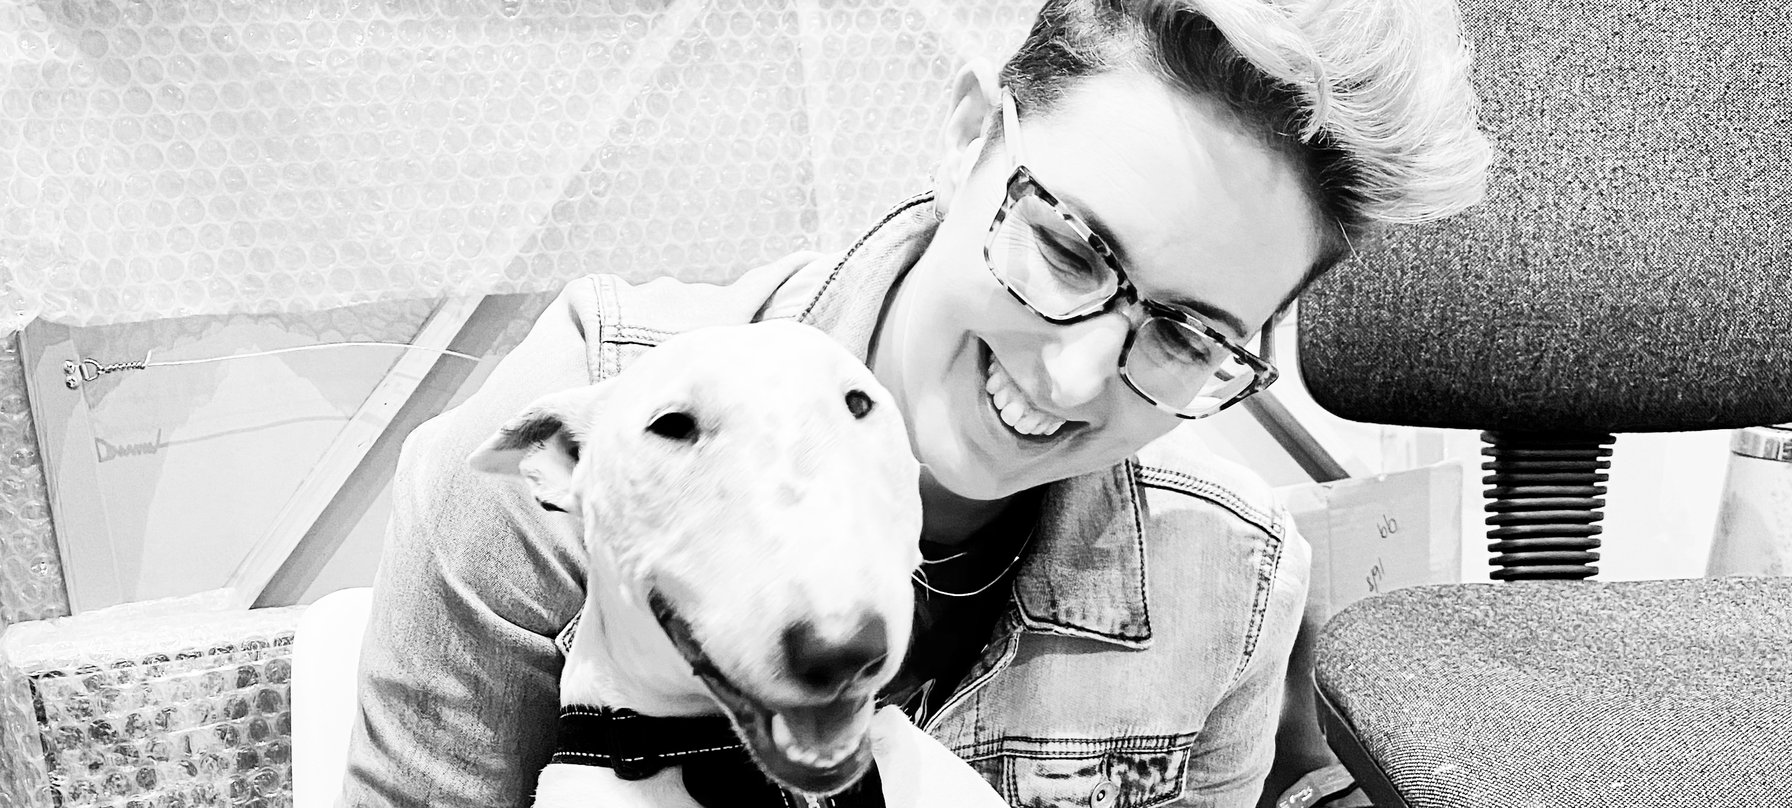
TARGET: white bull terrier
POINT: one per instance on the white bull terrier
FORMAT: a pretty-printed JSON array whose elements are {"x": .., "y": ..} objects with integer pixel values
[{"x": 751, "y": 515}]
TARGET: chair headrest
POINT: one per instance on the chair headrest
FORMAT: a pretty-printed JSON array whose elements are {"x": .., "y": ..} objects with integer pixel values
[{"x": 1631, "y": 269}]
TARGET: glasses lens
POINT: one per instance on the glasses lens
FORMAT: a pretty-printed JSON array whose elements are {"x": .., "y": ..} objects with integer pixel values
[
  {"x": 1047, "y": 263},
  {"x": 1182, "y": 368}
]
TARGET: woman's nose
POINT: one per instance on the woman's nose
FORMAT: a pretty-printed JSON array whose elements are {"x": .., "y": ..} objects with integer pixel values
[{"x": 1084, "y": 359}]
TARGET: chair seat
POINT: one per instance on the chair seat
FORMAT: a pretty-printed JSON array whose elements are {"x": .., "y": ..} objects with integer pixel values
[{"x": 1565, "y": 693}]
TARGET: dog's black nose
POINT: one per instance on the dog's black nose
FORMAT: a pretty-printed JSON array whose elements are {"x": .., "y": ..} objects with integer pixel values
[{"x": 830, "y": 664}]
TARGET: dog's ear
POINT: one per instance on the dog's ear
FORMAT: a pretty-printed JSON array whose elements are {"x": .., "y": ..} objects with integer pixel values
[{"x": 542, "y": 445}]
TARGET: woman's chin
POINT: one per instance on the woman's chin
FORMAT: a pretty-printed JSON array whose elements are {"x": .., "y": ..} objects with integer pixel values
[{"x": 968, "y": 481}]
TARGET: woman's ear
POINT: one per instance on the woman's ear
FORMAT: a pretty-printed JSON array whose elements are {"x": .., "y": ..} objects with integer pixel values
[{"x": 974, "y": 97}]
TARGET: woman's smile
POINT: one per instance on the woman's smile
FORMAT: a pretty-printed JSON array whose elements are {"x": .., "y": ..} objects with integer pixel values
[{"x": 1012, "y": 404}]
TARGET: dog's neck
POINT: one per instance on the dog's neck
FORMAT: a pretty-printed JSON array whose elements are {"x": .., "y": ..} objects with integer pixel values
[{"x": 621, "y": 657}]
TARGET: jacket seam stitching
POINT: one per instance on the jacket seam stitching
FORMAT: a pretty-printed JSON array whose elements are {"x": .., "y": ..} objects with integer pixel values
[
  {"x": 850, "y": 252},
  {"x": 1267, "y": 565},
  {"x": 1181, "y": 780},
  {"x": 1094, "y": 747},
  {"x": 636, "y": 333},
  {"x": 1124, "y": 743},
  {"x": 609, "y": 310},
  {"x": 1267, "y": 569},
  {"x": 1138, "y": 532},
  {"x": 1010, "y": 643},
  {"x": 1139, "y": 640},
  {"x": 1040, "y": 625},
  {"x": 1181, "y": 482}
]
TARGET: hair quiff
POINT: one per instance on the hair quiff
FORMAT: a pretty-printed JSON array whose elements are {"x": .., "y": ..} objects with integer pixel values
[{"x": 1371, "y": 96}]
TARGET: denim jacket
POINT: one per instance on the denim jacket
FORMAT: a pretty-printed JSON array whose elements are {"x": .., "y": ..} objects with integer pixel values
[{"x": 1140, "y": 662}]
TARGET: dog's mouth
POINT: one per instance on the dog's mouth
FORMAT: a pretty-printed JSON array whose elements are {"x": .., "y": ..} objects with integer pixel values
[{"x": 814, "y": 748}]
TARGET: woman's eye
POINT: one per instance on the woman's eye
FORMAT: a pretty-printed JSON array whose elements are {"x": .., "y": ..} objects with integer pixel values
[
  {"x": 1187, "y": 346},
  {"x": 1190, "y": 344},
  {"x": 1205, "y": 350},
  {"x": 1065, "y": 259}
]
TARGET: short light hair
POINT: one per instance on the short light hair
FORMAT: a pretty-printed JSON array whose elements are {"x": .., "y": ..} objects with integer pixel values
[{"x": 1371, "y": 97}]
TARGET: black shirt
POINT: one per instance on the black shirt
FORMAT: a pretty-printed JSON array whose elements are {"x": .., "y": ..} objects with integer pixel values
[{"x": 950, "y": 632}]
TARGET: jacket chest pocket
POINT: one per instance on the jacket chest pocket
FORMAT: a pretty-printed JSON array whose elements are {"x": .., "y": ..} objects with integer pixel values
[{"x": 1082, "y": 774}]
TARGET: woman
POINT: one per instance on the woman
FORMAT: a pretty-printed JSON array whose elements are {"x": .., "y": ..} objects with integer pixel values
[{"x": 1116, "y": 219}]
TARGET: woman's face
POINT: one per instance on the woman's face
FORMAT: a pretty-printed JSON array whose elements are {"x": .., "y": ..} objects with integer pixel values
[{"x": 1201, "y": 213}]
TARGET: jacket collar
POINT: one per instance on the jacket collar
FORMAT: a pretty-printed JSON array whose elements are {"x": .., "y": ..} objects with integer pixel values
[{"x": 1085, "y": 576}]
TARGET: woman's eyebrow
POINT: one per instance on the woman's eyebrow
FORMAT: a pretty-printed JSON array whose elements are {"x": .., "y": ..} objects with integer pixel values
[
  {"x": 1092, "y": 220},
  {"x": 1208, "y": 313},
  {"x": 1199, "y": 309}
]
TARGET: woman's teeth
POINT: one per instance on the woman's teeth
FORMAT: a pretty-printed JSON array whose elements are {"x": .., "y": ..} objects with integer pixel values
[{"x": 1015, "y": 411}]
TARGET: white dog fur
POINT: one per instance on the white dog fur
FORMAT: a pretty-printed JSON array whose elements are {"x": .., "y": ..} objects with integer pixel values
[{"x": 752, "y": 478}]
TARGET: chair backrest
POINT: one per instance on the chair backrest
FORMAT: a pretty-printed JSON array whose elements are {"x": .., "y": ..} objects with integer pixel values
[{"x": 1631, "y": 270}]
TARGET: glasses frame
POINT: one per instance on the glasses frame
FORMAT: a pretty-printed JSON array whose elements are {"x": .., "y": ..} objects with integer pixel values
[{"x": 1022, "y": 183}]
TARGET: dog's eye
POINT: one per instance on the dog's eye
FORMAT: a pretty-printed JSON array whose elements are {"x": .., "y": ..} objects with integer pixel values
[
  {"x": 674, "y": 426},
  {"x": 858, "y": 403}
]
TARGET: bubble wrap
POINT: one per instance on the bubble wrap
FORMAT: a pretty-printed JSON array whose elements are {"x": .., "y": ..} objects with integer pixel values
[
  {"x": 23, "y": 780},
  {"x": 31, "y": 585},
  {"x": 160, "y": 706},
  {"x": 222, "y": 156},
  {"x": 227, "y": 157}
]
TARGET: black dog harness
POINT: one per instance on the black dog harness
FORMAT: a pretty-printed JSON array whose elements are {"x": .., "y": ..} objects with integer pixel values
[{"x": 718, "y": 770}]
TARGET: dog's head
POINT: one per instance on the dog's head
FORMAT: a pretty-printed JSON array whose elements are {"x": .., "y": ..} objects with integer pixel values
[{"x": 753, "y": 486}]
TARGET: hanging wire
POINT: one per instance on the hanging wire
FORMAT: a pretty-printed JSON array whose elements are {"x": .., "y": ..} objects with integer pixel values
[{"x": 75, "y": 373}]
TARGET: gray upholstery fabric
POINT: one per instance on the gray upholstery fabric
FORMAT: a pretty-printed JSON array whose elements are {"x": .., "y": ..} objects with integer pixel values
[
  {"x": 1650, "y": 693},
  {"x": 1630, "y": 269}
]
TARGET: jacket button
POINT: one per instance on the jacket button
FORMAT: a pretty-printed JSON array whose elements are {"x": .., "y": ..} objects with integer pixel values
[{"x": 1105, "y": 795}]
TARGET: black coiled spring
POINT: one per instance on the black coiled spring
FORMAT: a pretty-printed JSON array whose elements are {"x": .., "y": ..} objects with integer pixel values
[{"x": 1544, "y": 493}]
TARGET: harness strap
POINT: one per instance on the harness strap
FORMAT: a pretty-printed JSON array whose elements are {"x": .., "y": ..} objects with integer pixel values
[
  {"x": 635, "y": 746},
  {"x": 718, "y": 770}
]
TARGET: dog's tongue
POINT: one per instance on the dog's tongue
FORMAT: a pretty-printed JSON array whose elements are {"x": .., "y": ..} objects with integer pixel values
[{"x": 822, "y": 736}]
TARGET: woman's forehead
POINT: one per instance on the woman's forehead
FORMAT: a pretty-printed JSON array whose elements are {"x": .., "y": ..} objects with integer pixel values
[{"x": 1197, "y": 206}]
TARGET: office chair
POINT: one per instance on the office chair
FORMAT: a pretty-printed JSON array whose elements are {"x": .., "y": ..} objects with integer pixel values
[{"x": 1631, "y": 271}]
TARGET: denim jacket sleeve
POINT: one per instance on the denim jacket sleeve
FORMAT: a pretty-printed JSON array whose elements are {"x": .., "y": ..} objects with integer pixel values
[
  {"x": 1232, "y": 755},
  {"x": 459, "y": 675}
]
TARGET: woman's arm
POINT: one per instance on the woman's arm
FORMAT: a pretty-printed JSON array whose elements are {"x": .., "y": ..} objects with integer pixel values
[{"x": 459, "y": 678}]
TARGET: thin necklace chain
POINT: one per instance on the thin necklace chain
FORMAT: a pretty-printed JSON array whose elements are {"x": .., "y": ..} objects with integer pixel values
[{"x": 992, "y": 582}]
